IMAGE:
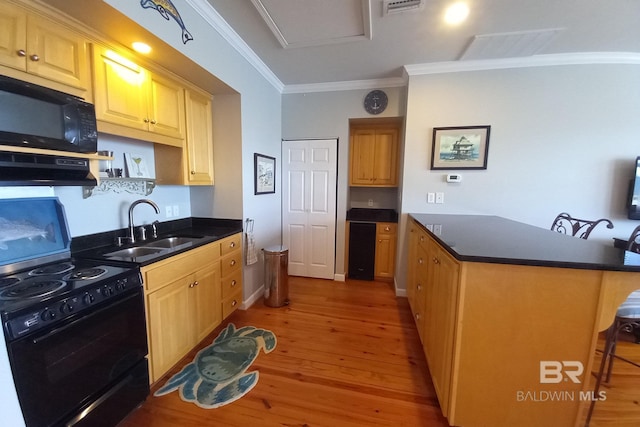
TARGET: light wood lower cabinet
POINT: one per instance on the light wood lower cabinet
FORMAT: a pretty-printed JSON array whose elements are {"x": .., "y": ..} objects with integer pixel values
[
  {"x": 433, "y": 292},
  {"x": 231, "y": 267},
  {"x": 384, "y": 265},
  {"x": 182, "y": 296},
  {"x": 486, "y": 327}
]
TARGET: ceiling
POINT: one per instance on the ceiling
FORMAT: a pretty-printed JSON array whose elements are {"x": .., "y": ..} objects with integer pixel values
[{"x": 306, "y": 42}]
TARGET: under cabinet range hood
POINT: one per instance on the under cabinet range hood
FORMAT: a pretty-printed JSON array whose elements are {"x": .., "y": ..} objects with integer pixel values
[{"x": 41, "y": 169}]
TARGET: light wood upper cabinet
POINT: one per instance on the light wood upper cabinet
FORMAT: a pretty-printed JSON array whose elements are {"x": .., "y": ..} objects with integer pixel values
[
  {"x": 42, "y": 48},
  {"x": 142, "y": 104},
  {"x": 199, "y": 159},
  {"x": 374, "y": 157}
]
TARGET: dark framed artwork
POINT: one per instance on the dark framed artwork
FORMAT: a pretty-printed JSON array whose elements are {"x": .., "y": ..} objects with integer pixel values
[
  {"x": 463, "y": 147},
  {"x": 264, "y": 171}
]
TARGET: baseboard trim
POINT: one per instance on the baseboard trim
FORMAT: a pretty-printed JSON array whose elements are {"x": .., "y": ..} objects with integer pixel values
[
  {"x": 259, "y": 293},
  {"x": 339, "y": 277}
]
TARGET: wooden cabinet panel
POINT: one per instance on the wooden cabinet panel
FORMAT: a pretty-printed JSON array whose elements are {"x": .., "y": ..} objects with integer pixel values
[
  {"x": 374, "y": 157},
  {"x": 384, "y": 266},
  {"x": 199, "y": 165},
  {"x": 129, "y": 96},
  {"x": 170, "y": 329},
  {"x": 231, "y": 269},
  {"x": 206, "y": 301},
  {"x": 184, "y": 304},
  {"x": 43, "y": 48}
]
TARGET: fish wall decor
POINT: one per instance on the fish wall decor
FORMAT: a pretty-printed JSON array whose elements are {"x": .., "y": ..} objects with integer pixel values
[{"x": 167, "y": 10}]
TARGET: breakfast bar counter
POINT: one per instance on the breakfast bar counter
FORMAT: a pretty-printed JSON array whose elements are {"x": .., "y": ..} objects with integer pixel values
[{"x": 497, "y": 302}]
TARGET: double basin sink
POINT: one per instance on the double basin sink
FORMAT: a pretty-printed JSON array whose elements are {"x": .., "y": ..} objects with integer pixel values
[{"x": 155, "y": 248}]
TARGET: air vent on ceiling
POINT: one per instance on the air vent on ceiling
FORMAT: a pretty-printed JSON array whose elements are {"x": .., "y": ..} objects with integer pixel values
[{"x": 398, "y": 6}]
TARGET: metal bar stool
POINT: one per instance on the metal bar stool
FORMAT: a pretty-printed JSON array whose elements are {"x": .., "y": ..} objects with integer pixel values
[{"x": 566, "y": 224}]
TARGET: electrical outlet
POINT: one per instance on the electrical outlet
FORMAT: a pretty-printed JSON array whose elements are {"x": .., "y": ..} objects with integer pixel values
[
  {"x": 431, "y": 197},
  {"x": 439, "y": 197},
  {"x": 176, "y": 210},
  {"x": 168, "y": 212},
  {"x": 370, "y": 202}
]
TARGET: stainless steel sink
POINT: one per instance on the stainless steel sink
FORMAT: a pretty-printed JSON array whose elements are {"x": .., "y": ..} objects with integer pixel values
[
  {"x": 136, "y": 251},
  {"x": 171, "y": 242}
]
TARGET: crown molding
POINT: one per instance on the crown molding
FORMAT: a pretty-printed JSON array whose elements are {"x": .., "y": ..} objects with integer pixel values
[
  {"x": 211, "y": 16},
  {"x": 588, "y": 58},
  {"x": 346, "y": 85}
]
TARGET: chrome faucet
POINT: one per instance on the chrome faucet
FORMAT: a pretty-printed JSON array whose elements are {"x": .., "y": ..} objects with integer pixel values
[{"x": 132, "y": 234}]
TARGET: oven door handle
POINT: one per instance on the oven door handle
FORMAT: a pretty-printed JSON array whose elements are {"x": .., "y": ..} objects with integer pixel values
[{"x": 56, "y": 331}]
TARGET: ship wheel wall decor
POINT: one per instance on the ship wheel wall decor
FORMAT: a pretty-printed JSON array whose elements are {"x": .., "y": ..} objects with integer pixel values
[{"x": 463, "y": 147}]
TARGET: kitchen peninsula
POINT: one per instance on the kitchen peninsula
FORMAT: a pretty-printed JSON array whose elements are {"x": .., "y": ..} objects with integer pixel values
[{"x": 493, "y": 298}]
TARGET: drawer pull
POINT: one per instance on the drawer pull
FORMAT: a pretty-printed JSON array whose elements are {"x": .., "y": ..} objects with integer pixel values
[
  {"x": 420, "y": 261},
  {"x": 436, "y": 260},
  {"x": 422, "y": 238},
  {"x": 233, "y": 283},
  {"x": 417, "y": 316},
  {"x": 232, "y": 263},
  {"x": 234, "y": 303},
  {"x": 419, "y": 287},
  {"x": 232, "y": 244},
  {"x": 387, "y": 228}
]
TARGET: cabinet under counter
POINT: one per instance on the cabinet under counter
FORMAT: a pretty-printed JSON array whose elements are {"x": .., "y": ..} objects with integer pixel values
[{"x": 493, "y": 298}]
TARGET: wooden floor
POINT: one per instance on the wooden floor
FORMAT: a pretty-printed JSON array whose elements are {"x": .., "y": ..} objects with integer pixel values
[
  {"x": 348, "y": 354},
  {"x": 622, "y": 406}
]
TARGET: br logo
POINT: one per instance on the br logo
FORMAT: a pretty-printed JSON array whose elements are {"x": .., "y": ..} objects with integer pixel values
[{"x": 554, "y": 371}]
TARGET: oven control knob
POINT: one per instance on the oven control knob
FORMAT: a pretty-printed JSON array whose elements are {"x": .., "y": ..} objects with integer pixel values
[
  {"x": 88, "y": 299},
  {"x": 66, "y": 308},
  {"x": 121, "y": 285},
  {"x": 48, "y": 315},
  {"x": 107, "y": 291}
]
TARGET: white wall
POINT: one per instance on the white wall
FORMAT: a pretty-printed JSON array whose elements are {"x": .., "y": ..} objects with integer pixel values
[
  {"x": 563, "y": 138},
  {"x": 326, "y": 115}
]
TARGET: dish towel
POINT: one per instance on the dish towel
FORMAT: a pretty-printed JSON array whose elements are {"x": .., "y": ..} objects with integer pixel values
[{"x": 250, "y": 243}]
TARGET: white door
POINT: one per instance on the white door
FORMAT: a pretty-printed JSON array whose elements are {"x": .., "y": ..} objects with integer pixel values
[{"x": 309, "y": 175}]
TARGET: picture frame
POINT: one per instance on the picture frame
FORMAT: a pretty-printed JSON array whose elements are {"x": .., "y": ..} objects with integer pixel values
[
  {"x": 264, "y": 171},
  {"x": 136, "y": 166},
  {"x": 462, "y": 147}
]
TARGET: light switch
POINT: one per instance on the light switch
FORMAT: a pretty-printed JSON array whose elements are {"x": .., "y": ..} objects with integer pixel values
[
  {"x": 431, "y": 197},
  {"x": 439, "y": 197},
  {"x": 168, "y": 212}
]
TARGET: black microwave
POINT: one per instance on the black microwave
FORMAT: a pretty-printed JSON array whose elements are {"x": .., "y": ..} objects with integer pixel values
[{"x": 38, "y": 117}]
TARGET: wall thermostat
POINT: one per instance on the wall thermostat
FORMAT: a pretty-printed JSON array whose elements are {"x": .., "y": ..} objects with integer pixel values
[{"x": 454, "y": 177}]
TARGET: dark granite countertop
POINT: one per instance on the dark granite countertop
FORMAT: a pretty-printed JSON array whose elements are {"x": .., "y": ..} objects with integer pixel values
[
  {"x": 479, "y": 238},
  {"x": 206, "y": 230},
  {"x": 372, "y": 215}
]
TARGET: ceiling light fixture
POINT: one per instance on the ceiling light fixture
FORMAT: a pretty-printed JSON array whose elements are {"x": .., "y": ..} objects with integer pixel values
[
  {"x": 141, "y": 47},
  {"x": 456, "y": 13}
]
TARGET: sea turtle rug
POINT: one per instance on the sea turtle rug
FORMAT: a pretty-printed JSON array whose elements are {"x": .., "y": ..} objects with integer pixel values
[{"x": 218, "y": 374}]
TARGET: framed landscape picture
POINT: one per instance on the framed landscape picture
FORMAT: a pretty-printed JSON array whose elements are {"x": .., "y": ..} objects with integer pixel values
[
  {"x": 465, "y": 147},
  {"x": 264, "y": 170}
]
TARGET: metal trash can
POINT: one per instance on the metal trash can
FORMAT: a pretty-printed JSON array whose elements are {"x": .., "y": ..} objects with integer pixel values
[{"x": 276, "y": 276}]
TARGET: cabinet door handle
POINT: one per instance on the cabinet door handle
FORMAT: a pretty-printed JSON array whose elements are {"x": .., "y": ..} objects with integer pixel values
[
  {"x": 233, "y": 283},
  {"x": 191, "y": 285},
  {"x": 196, "y": 283},
  {"x": 232, "y": 244},
  {"x": 417, "y": 316},
  {"x": 21, "y": 52},
  {"x": 34, "y": 58},
  {"x": 145, "y": 120},
  {"x": 193, "y": 172},
  {"x": 419, "y": 287},
  {"x": 380, "y": 241},
  {"x": 153, "y": 122},
  {"x": 420, "y": 261},
  {"x": 232, "y": 263},
  {"x": 436, "y": 260},
  {"x": 234, "y": 303},
  {"x": 387, "y": 228}
]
